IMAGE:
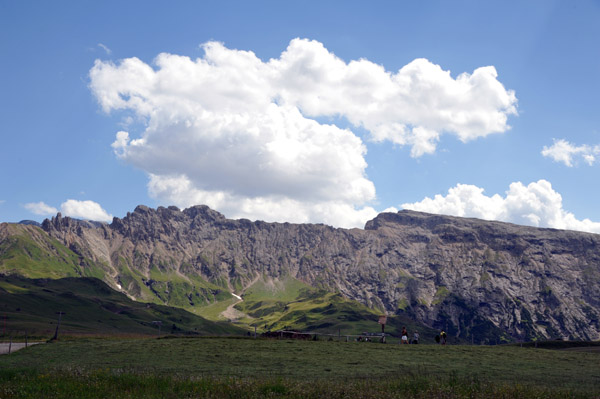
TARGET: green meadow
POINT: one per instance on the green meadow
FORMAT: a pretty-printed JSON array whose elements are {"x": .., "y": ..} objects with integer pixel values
[{"x": 249, "y": 368}]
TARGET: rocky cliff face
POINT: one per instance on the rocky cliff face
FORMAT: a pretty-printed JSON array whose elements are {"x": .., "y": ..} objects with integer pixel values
[{"x": 479, "y": 280}]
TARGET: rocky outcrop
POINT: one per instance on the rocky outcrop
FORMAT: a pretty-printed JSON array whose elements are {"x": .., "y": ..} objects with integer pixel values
[{"x": 479, "y": 280}]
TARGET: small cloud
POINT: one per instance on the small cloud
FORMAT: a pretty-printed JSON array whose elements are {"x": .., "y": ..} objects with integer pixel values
[
  {"x": 40, "y": 208},
  {"x": 567, "y": 153},
  {"x": 120, "y": 144},
  {"x": 106, "y": 49},
  {"x": 88, "y": 210}
]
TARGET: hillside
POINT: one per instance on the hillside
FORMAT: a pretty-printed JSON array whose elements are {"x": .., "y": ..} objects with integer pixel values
[
  {"x": 482, "y": 281},
  {"x": 91, "y": 307}
]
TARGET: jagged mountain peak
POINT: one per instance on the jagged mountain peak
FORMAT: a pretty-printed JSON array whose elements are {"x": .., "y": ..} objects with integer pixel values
[
  {"x": 191, "y": 213},
  {"x": 204, "y": 212},
  {"x": 60, "y": 222}
]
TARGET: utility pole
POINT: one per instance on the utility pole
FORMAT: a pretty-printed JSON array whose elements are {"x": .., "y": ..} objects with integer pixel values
[
  {"x": 58, "y": 325},
  {"x": 382, "y": 321}
]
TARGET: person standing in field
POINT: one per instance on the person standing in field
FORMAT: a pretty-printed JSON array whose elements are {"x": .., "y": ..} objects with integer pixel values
[
  {"x": 404, "y": 336},
  {"x": 415, "y": 338},
  {"x": 443, "y": 337}
]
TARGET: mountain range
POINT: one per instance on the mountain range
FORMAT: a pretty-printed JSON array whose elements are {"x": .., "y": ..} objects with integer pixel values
[{"x": 481, "y": 281}]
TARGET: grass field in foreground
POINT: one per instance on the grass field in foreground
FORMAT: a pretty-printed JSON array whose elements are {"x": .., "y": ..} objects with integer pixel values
[{"x": 294, "y": 369}]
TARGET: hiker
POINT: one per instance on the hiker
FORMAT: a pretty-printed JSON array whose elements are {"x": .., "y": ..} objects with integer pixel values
[
  {"x": 404, "y": 336},
  {"x": 443, "y": 337},
  {"x": 415, "y": 338}
]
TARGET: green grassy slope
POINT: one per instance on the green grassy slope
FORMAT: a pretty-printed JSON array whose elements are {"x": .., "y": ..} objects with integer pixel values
[
  {"x": 28, "y": 251},
  {"x": 91, "y": 307},
  {"x": 290, "y": 304},
  {"x": 190, "y": 291}
]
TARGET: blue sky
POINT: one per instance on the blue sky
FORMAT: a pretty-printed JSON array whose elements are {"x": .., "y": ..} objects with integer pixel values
[{"x": 302, "y": 130}]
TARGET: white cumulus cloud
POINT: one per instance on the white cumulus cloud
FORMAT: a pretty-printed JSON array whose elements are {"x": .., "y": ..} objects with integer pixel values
[
  {"x": 536, "y": 204},
  {"x": 88, "y": 210},
  {"x": 567, "y": 153},
  {"x": 40, "y": 208},
  {"x": 181, "y": 191},
  {"x": 241, "y": 135}
]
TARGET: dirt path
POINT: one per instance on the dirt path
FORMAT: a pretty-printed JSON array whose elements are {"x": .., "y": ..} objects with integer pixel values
[
  {"x": 15, "y": 346},
  {"x": 233, "y": 314}
]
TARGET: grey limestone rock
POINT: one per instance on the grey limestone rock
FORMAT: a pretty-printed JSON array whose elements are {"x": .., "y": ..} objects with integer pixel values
[{"x": 480, "y": 280}]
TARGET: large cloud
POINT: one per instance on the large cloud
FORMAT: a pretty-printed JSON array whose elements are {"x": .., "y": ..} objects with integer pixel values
[
  {"x": 87, "y": 210},
  {"x": 567, "y": 153},
  {"x": 410, "y": 107},
  {"x": 269, "y": 207},
  {"x": 242, "y": 135},
  {"x": 535, "y": 205}
]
